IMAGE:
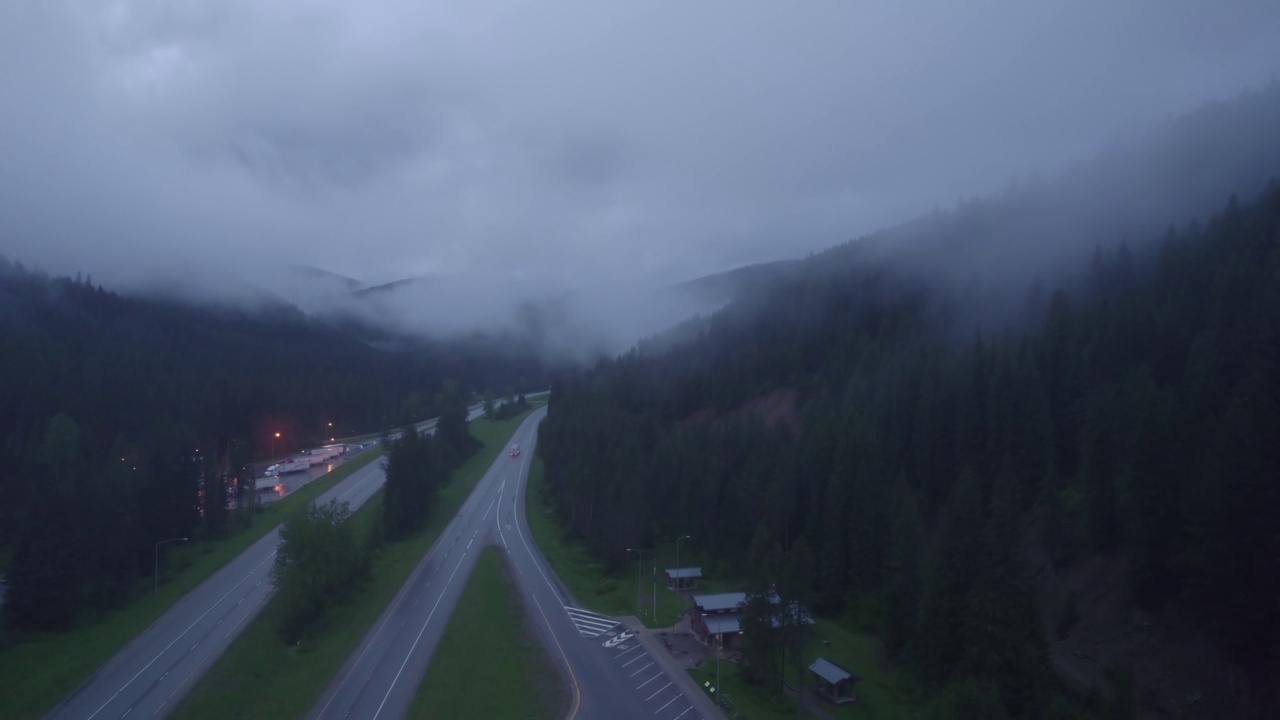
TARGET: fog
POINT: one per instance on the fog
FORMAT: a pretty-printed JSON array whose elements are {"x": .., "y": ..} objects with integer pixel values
[{"x": 553, "y": 162}]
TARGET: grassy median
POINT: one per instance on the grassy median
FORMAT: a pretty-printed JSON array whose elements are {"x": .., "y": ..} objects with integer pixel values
[
  {"x": 592, "y": 587},
  {"x": 490, "y": 662},
  {"x": 37, "y": 673},
  {"x": 260, "y": 676}
]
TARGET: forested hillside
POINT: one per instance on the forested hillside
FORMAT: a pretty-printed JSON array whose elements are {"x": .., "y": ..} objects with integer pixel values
[
  {"x": 836, "y": 410},
  {"x": 125, "y": 419}
]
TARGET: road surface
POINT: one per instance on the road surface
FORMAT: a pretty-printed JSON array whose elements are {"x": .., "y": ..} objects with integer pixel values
[
  {"x": 610, "y": 675},
  {"x": 382, "y": 676},
  {"x": 151, "y": 674}
]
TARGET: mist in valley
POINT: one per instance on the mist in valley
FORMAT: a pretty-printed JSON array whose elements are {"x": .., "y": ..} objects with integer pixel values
[{"x": 553, "y": 171}]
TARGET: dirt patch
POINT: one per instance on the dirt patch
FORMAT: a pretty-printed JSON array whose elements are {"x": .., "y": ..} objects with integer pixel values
[
  {"x": 780, "y": 405},
  {"x": 1177, "y": 671}
]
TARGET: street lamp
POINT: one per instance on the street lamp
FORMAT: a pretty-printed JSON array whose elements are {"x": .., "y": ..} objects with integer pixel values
[
  {"x": 157, "y": 560},
  {"x": 639, "y": 563},
  {"x": 273, "y": 446},
  {"x": 678, "y": 578}
]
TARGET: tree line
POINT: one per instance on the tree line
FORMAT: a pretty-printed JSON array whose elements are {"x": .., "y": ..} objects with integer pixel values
[
  {"x": 131, "y": 420},
  {"x": 1138, "y": 410}
]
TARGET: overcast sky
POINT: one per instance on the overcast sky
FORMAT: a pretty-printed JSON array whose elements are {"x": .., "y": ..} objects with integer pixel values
[{"x": 560, "y": 140}]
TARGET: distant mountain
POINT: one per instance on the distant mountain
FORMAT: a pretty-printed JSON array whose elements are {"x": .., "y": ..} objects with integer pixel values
[
  {"x": 315, "y": 273},
  {"x": 988, "y": 251},
  {"x": 719, "y": 288},
  {"x": 387, "y": 287}
]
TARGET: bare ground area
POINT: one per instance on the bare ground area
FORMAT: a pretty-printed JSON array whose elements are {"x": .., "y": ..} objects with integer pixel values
[
  {"x": 779, "y": 405},
  {"x": 1177, "y": 671}
]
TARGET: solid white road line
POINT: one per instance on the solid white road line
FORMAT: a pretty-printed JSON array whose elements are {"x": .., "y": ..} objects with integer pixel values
[
  {"x": 646, "y": 682},
  {"x": 682, "y": 714},
  {"x": 646, "y": 667},
  {"x": 419, "y": 638},
  {"x": 184, "y": 632},
  {"x": 635, "y": 659},
  {"x": 523, "y": 464}
]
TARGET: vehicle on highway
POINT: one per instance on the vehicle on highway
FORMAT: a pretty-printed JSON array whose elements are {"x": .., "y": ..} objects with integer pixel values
[
  {"x": 515, "y": 451},
  {"x": 293, "y": 464}
]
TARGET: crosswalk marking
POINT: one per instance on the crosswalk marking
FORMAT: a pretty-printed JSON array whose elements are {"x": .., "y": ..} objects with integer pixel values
[{"x": 590, "y": 624}]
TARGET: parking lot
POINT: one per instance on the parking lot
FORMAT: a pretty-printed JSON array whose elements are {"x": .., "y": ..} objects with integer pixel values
[{"x": 654, "y": 689}]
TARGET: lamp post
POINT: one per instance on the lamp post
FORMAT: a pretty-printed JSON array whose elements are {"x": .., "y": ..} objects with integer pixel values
[
  {"x": 274, "y": 438},
  {"x": 719, "y": 688},
  {"x": 678, "y": 578},
  {"x": 157, "y": 560},
  {"x": 639, "y": 563}
]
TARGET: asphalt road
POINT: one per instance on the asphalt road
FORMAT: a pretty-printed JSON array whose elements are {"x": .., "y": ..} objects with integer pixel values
[
  {"x": 382, "y": 675},
  {"x": 609, "y": 675},
  {"x": 151, "y": 674}
]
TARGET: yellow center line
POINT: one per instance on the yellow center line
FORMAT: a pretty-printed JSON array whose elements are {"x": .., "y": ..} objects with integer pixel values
[{"x": 577, "y": 693}]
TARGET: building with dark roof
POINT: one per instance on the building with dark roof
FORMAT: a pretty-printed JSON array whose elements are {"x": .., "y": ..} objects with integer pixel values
[
  {"x": 683, "y": 578},
  {"x": 715, "y": 618},
  {"x": 833, "y": 682}
]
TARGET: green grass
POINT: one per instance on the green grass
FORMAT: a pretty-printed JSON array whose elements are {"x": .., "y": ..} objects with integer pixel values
[
  {"x": 750, "y": 701},
  {"x": 592, "y": 587},
  {"x": 259, "y": 676},
  {"x": 880, "y": 697},
  {"x": 490, "y": 663},
  {"x": 37, "y": 673}
]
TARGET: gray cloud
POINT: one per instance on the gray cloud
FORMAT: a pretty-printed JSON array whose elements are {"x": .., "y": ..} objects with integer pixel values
[{"x": 514, "y": 146}]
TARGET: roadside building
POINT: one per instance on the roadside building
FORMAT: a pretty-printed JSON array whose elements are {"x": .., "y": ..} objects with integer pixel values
[
  {"x": 833, "y": 683},
  {"x": 683, "y": 578},
  {"x": 715, "y": 618}
]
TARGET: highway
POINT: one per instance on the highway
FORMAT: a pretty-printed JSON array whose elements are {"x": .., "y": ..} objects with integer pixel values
[
  {"x": 382, "y": 676},
  {"x": 150, "y": 675}
]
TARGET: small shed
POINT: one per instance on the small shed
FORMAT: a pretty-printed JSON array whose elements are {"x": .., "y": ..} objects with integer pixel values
[
  {"x": 683, "y": 578},
  {"x": 833, "y": 682}
]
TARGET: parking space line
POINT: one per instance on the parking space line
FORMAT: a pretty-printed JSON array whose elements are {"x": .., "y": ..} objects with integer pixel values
[
  {"x": 683, "y": 713},
  {"x": 664, "y": 687},
  {"x": 634, "y": 658},
  {"x": 646, "y": 682},
  {"x": 664, "y": 707},
  {"x": 646, "y": 667},
  {"x": 624, "y": 652}
]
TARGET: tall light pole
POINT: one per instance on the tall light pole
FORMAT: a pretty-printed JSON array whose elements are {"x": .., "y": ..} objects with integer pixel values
[
  {"x": 157, "y": 560},
  {"x": 678, "y": 578},
  {"x": 274, "y": 438},
  {"x": 719, "y": 687},
  {"x": 639, "y": 563}
]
